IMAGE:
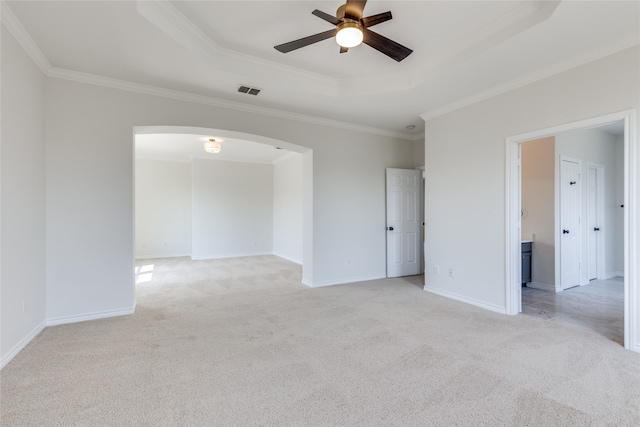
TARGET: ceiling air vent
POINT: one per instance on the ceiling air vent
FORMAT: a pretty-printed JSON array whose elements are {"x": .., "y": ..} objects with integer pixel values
[{"x": 249, "y": 90}]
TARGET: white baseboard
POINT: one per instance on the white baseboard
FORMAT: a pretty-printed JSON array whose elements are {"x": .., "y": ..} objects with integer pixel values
[
  {"x": 491, "y": 307},
  {"x": 542, "y": 286},
  {"x": 162, "y": 256},
  {"x": 21, "y": 345},
  {"x": 341, "y": 281},
  {"x": 297, "y": 261},
  {"x": 218, "y": 256},
  {"x": 612, "y": 274},
  {"x": 90, "y": 316}
]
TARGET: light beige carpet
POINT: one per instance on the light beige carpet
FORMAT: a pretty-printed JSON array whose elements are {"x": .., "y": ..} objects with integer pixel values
[{"x": 240, "y": 342}]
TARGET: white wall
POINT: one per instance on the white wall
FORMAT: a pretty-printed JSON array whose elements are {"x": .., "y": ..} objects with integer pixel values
[
  {"x": 90, "y": 208},
  {"x": 163, "y": 208},
  {"x": 287, "y": 208},
  {"x": 465, "y": 169},
  {"x": 538, "y": 203},
  {"x": 596, "y": 146},
  {"x": 232, "y": 209},
  {"x": 22, "y": 212},
  {"x": 418, "y": 153}
]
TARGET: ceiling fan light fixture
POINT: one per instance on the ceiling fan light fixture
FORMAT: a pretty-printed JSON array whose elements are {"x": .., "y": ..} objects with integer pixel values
[
  {"x": 212, "y": 146},
  {"x": 349, "y": 34}
]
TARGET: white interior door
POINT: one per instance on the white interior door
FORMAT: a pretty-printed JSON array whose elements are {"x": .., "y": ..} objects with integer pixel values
[
  {"x": 569, "y": 223},
  {"x": 403, "y": 222},
  {"x": 595, "y": 219}
]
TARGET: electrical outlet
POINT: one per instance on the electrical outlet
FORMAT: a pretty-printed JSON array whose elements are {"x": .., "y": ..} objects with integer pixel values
[
  {"x": 451, "y": 272},
  {"x": 436, "y": 269}
]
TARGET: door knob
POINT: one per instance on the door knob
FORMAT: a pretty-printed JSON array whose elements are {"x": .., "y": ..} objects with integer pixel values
[
  {"x": 596, "y": 229},
  {"x": 390, "y": 228},
  {"x": 565, "y": 231}
]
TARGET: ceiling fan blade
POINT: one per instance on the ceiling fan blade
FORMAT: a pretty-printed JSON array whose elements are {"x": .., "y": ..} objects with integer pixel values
[
  {"x": 306, "y": 41},
  {"x": 329, "y": 18},
  {"x": 372, "y": 20},
  {"x": 344, "y": 49},
  {"x": 388, "y": 47},
  {"x": 354, "y": 9}
]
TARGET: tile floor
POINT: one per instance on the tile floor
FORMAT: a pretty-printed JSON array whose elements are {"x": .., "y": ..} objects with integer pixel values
[{"x": 597, "y": 307}]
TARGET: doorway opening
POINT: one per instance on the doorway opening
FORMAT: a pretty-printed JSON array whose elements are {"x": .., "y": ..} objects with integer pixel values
[
  {"x": 253, "y": 196},
  {"x": 514, "y": 222}
]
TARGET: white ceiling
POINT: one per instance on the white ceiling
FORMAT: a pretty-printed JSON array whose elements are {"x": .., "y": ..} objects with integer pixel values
[
  {"x": 185, "y": 147},
  {"x": 463, "y": 50}
]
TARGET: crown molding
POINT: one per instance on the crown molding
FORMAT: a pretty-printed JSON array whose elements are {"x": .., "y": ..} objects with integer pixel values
[
  {"x": 144, "y": 89},
  {"x": 176, "y": 25},
  {"x": 14, "y": 26},
  {"x": 530, "y": 78},
  {"x": 172, "y": 22}
]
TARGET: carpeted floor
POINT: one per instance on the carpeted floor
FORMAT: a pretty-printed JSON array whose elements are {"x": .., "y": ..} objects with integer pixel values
[{"x": 239, "y": 342}]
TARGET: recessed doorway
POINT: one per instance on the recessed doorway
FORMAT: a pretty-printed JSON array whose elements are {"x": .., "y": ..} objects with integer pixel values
[{"x": 514, "y": 217}]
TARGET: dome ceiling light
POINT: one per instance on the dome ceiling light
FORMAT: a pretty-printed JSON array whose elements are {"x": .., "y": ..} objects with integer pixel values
[{"x": 213, "y": 145}]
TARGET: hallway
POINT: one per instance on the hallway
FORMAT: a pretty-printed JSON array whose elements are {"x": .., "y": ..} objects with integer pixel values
[{"x": 597, "y": 307}]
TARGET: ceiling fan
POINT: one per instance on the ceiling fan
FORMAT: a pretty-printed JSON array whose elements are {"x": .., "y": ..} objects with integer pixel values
[{"x": 351, "y": 30}]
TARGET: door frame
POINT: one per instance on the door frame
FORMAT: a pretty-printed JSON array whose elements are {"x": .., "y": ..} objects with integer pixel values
[
  {"x": 422, "y": 212},
  {"x": 600, "y": 259},
  {"x": 513, "y": 292}
]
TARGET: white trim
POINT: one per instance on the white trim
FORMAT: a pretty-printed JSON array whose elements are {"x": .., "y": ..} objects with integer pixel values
[
  {"x": 21, "y": 345},
  {"x": 533, "y": 77},
  {"x": 542, "y": 286},
  {"x": 144, "y": 89},
  {"x": 295, "y": 261},
  {"x": 141, "y": 257},
  {"x": 181, "y": 29},
  {"x": 513, "y": 234},
  {"x": 631, "y": 286},
  {"x": 90, "y": 316},
  {"x": 14, "y": 26},
  {"x": 172, "y": 22},
  {"x": 342, "y": 281},
  {"x": 612, "y": 274},
  {"x": 205, "y": 257},
  {"x": 477, "y": 303},
  {"x": 12, "y": 23},
  {"x": 512, "y": 180}
]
